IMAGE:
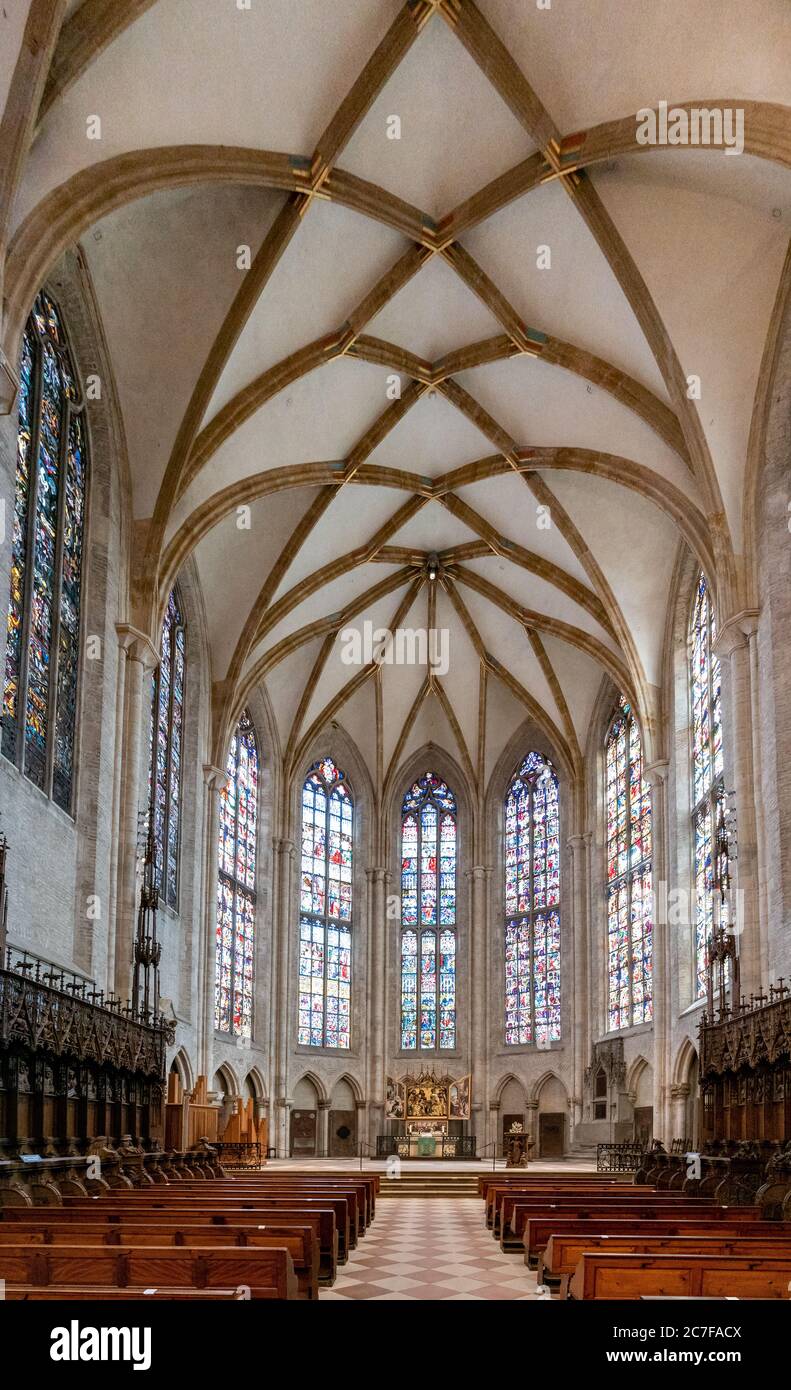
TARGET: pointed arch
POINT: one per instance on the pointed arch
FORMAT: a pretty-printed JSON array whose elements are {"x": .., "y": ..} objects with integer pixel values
[
  {"x": 48, "y": 545},
  {"x": 256, "y": 1082},
  {"x": 532, "y": 902},
  {"x": 326, "y": 907},
  {"x": 627, "y": 799},
  {"x": 322, "y": 1094},
  {"x": 236, "y": 885},
  {"x": 429, "y": 914}
]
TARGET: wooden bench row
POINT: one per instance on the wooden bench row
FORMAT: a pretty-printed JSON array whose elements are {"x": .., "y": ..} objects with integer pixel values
[
  {"x": 275, "y": 1236},
  {"x": 604, "y": 1275},
  {"x": 121, "y": 1267}
]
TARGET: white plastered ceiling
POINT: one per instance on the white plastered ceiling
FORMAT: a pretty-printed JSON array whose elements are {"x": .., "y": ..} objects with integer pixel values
[{"x": 551, "y": 572}]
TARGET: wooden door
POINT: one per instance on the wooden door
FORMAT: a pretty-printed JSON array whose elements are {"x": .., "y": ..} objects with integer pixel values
[
  {"x": 644, "y": 1125},
  {"x": 343, "y": 1133},
  {"x": 551, "y": 1135},
  {"x": 303, "y": 1133}
]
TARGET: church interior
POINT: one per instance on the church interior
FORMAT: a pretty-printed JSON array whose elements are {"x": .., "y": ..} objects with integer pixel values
[{"x": 395, "y": 790}]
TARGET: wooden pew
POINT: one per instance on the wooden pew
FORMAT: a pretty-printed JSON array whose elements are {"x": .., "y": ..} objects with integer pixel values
[
  {"x": 345, "y": 1203},
  {"x": 497, "y": 1193},
  {"x": 155, "y": 1267},
  {"x": 61, "y": 1222},
  {"x": 358, "y": 1193},
  {"x": 563, "y": 1253},
  {"x": 602, "y": 1275},
  {"x": 130, "y": 1204},
  {"x": 500, "y": 1200},
  {"x": 71, "y": 1293},
  {"x": 299, "y": 1241},
  {"x": 512, "y": 1234},
  {"x": 539, "y": 1229}
]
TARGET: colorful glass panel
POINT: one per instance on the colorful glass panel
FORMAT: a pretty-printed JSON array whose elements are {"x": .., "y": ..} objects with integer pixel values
[
  {"x": 428, "y": 902},
  {"x": 167, "y": 725},
  {"x": 532, "y": 901},
  {"x": 235, "y": 941},
  {"x": 325, "y": 932},
  {"x": 707, "y": 774},
  {"x": 629, "y": 883},
  {"x": 43, "y": 625}
]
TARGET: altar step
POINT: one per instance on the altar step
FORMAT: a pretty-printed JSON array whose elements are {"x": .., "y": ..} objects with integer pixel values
[{"x": 430, "y": 1185}]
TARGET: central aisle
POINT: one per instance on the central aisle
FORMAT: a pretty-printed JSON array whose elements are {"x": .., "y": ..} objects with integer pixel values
[{"x": 419, "y": 1248}]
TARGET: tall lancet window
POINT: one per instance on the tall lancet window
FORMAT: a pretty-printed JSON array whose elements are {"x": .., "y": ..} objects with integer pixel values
[
  {"x": 532, "y": 904},
  {"x": 235, "y": 942},
  {"x": 629, "y": 902},
  {"x": 708, "y": 788},
  {"x": 167, "y": 732},
  {"x": 428, "y": 916},
  {"x": 325, "y": 922},
  {"x": 47, "y": 542}
]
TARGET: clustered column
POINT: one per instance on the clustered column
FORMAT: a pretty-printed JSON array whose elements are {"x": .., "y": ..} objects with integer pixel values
[
  {"x": 141, "y": 659},
  {"x": 377, "y": 887},
  {"x": 479, "y": 876},
  {"x": 284, "y": 862},
  {"x": 732, "y": 645},
  {"x": 663, "y": 1121},
  {"x": 578, "y": 935}
]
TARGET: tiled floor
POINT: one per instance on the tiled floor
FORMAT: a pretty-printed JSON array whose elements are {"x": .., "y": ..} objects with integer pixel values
[{"x": 420, "y": 1248}]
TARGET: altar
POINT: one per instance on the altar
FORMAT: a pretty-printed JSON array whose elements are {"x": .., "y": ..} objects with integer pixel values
[{"x": 430, "y": 1112}]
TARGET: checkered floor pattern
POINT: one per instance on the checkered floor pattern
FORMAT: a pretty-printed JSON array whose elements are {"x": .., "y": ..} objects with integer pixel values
[{"x": 427, "y": 1248}]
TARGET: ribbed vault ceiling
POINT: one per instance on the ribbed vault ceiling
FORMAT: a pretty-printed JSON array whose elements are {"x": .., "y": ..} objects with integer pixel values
[{"x": 541, "y": 443}]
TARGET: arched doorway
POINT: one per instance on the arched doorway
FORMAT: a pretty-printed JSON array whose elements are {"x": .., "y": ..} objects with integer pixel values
[
  {"x": 303, "y": 1137},
  {"x": 343, "y": 1121}
]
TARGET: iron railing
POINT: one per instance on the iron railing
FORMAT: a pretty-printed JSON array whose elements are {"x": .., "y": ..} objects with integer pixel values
[
  {"x": 399, "y": 1145},
  {"x": 619, "y": 1158}
]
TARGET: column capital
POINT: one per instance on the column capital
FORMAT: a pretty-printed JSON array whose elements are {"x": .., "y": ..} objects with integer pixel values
[
  {"x": 324, "y": 1104},
  {"x": 736, "y": 632},
  {"x": 494, "y": 1105},
  {"x": 376, "y": 874},
  {"x": 579, "y": 841},
  {"x": 284, "y": 847},
  {"x": 657, "y": 771},
  {"x": 215, "y": 778},
  {"x": 478, "y": 871},
  {"x": 361, "y": 1105},
  {"x": 137, "y": 645},
  {"x": 681, "y": 1091}
]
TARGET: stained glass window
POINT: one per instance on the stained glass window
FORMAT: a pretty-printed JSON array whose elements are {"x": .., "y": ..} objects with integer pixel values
[
  {"x": 167, "y": 728},
  {"x": 235, "y": 940},
  {"x": 43, "y": 626},
  {"x": 325, "y": 920},
  {"x": 708, "y": 792},
  {"x": 532, "y": 904},
  {"x": 428, "y": 916},
  {"x": 629, "y": 884}
]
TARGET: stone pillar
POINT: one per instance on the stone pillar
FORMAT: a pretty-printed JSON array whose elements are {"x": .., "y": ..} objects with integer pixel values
[
  {"x": 141, "y": 659},
  {"x": 478, "y": 1050},
  {"x": 678, "y": 1111},
  {"x": 361, "y": 1106},
  {"x": 284, "y": 929},
  {"x": 377, "y": 885},
  {"x": 531, "y": 1125},
  {"x": 214, "y": 780},
  {"x": 323, "y": 1131},
  {"x": 493, "y": 1137},
  {"x": 281, "y": 1139},
  {"x": 591, "y": 953},
  {"x": 657, "y": 776},
  {"x": 733, "y": 648},
  {"x": 578, "y": 845}
]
